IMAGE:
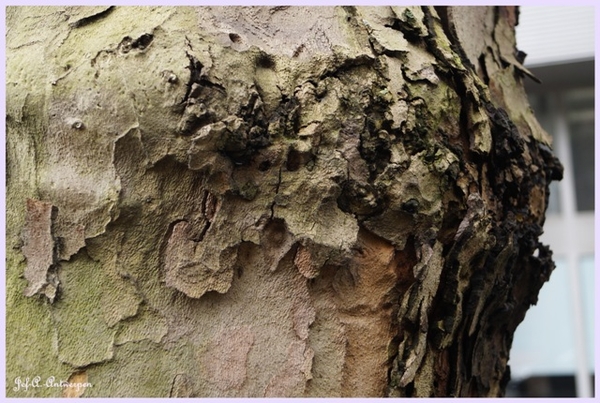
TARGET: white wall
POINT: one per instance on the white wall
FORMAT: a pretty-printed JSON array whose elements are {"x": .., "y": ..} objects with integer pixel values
[{"x": 556, "y": 34}]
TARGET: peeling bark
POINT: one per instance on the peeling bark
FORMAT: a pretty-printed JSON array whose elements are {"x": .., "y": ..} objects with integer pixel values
[
  {"x": 39, "y": 250},
  {"x": 270, "y": 201}
]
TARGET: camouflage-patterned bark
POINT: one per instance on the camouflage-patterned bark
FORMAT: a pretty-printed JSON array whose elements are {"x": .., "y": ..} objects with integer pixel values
[{"x": 285, "y": 201}]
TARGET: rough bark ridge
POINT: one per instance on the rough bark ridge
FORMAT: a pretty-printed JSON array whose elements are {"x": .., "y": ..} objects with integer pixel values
[{"x": 285, "y": 201}]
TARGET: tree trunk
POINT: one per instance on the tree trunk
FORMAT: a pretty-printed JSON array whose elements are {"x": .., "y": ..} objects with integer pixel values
[{"x": 283, "y": 201}]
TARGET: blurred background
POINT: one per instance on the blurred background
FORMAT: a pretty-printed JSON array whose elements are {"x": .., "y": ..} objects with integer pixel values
[{"x": 553, "y": 349}]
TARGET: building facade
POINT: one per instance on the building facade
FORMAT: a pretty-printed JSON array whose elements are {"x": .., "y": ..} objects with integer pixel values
[{"x": 553, "y": 351}]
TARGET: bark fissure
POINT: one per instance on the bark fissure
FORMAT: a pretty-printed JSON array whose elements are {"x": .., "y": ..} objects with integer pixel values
[{"x": 91, "y": 19}]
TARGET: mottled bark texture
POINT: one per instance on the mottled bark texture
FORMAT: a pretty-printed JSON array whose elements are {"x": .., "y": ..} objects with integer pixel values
[{"x": 284, "y": 201}]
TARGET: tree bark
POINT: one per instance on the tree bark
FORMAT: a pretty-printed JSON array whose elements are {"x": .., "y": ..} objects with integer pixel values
[{"x": 269, "y": 201}]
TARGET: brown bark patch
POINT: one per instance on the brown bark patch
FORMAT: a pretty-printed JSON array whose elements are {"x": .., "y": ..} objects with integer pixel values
[
  {"x": 38, "y": 248},
  {"x": 187, "y": 271},
  {"x": 228, "y": 354},
  {"x": 365, "y": 310}
]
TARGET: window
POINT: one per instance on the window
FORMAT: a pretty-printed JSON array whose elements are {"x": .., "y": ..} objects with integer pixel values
[
  {"x": 555, "y": 342},
  {"x": 579, "y": 107}
]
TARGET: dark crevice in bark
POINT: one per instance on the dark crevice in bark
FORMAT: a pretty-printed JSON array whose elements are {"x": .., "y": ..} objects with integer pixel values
[
  {"x": 430, "y": 39},
  {"x": 195, "y": 68},
  {"x": 142, "y": 42},
  {"x": 375, "y": 148},
  {"x": 465, "y": 137},
  {"x": 275, "y": 200},
  {"x": 350, "y": 11},
  {"x": 284, "y": 122},
  {"x": 482, "y": 65},
  {"x": 408, "y": 28},
  {"x": 199, "y": 233},
  {"x": 92, "y": 18},
  {"x": 450, "y": 31},
  {"x": 496, "y": 15},
  {"x": 345, "y": 65}
]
